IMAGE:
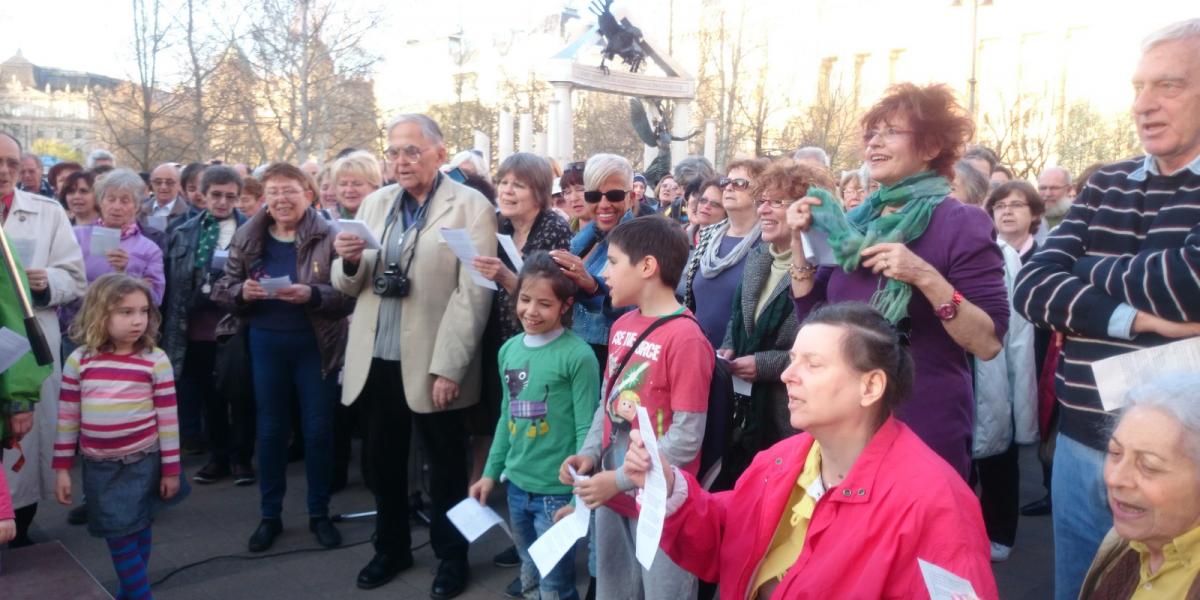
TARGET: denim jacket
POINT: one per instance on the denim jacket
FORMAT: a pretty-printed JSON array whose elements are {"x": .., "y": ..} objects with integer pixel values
[{"x": 594, "y": 314}]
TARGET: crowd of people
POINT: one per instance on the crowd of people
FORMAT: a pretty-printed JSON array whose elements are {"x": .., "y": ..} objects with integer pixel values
[{"x": 838, "y": 369}]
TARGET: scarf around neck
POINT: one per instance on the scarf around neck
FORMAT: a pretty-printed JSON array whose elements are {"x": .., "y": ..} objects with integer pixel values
[
  {"x": 712, "y": 264},
  {"x": 864, "y": 226}
]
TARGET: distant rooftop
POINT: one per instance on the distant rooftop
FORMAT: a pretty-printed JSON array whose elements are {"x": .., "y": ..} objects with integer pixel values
[{"x": 33, "y": 76}]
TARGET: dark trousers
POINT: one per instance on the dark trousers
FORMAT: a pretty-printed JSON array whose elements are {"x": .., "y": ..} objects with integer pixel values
[
  {"x": 999, "y": 497},
  {"x": 229, "y": 422},
  {"x": 285, "y": 362},
  {"x": 390, "y": 423}
]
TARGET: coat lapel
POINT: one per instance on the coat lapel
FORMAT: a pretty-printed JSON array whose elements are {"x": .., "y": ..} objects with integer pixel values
[{"x": 752, "y": 283}]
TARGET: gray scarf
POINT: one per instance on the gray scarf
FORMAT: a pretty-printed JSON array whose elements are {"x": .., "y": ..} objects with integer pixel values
[{"x": 712, "y": 265}]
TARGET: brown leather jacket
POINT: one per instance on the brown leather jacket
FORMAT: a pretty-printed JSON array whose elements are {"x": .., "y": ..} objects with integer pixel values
[{"x": 328, "y": 309}]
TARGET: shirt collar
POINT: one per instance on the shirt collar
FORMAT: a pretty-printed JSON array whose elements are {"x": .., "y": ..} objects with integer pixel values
[
  {"x": 1183, "y": 549},
  {"x": 1150, "y": 167}
]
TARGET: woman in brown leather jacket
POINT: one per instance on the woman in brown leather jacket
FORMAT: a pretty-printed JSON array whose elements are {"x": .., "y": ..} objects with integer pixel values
[{"x": 277, "y": 283}]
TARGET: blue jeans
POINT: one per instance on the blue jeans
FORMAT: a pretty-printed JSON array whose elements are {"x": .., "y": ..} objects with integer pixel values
[
  {"x": 285, "y": 363},
  {"x": 1081, "y": 513},
  {"x": 531, "y": 516}
]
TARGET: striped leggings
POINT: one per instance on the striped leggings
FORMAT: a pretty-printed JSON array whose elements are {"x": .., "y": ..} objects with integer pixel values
[{"x": 131, "y": 559}]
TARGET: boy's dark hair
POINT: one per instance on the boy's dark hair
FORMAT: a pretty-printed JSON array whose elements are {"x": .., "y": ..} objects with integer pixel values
[
  {"x": 661, "y": 238},
  {"x": 539, "y": 264},
  {"x": 191, "y": 173},
  {"x": 219, "y": 175}
]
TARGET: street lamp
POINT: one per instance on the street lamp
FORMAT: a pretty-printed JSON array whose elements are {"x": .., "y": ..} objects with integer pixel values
[{"x": 975, "y": 4}]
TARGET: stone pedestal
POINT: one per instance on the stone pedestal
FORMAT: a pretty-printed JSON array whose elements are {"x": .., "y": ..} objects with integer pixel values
[
  {"x": 565, "y": 142},
  {"x": 680, "y": 121},
  {"x": 525, "y": 133},
  {"x": 710, "y": 141},
  {"x": 504, "y": 145}
]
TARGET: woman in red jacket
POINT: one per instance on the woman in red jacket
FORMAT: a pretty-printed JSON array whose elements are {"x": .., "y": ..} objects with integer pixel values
[{"x": 845, "y": 509}]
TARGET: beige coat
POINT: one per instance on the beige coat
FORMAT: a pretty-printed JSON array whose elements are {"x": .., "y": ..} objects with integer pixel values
[
  {"x": 443, "y": 317},
  {"x": 56, "y": 250}
]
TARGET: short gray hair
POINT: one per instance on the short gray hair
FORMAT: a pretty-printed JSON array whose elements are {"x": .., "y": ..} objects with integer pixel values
[
  {"x": 99, "y": 154},
  {"x": 470, "y": 156},
  {"x": 1181, "y": 30},
  {"x": 429, "y": 128},
  {"x": 972, "y": 183},
  {"x": 120, "y": 180},
  {"x": 602, "y": 167},
  {"x": 1176, "y": 394},
  {"x": 812, "y": 153},
  {"x": 693, "y": 168}
]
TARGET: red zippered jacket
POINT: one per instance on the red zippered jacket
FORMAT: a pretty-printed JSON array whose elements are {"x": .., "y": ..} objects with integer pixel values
[{"x": 900, "y": 502}]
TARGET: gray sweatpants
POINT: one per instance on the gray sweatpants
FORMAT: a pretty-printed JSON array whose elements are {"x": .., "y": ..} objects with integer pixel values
[{"x": 619, "y": 576}]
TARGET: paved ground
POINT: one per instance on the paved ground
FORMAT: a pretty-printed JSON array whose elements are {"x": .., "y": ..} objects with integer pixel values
[{"x": 217, "y": 520}]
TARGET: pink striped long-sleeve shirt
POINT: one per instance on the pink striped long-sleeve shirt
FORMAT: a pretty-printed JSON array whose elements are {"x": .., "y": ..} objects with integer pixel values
[{"x": 115, "y": 405}]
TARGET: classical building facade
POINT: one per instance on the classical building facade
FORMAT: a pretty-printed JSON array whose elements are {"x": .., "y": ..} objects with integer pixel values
[{"x": 44, "y": 103}]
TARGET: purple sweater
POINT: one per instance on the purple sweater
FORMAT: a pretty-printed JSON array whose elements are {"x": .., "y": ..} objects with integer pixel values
[
  {"x": 960, "y": 243},
  {"x": 145, "y": 262}
]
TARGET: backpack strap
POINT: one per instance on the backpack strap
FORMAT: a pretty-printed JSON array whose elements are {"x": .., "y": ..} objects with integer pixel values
[{"x": 637, "y": 342}]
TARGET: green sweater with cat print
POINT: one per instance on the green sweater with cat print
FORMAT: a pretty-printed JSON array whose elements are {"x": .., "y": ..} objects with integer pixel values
[{"x": 550, "y": 395}]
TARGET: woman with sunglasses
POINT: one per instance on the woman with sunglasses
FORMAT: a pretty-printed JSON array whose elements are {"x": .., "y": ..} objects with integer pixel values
[
  {"x": 915, "y": 254},
  {"x": 607, "y": 179},
  {"x": 715, "y": 269}
]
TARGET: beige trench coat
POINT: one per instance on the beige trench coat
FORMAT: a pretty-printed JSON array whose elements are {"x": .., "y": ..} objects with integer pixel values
[{"x": 443, "y": 317}]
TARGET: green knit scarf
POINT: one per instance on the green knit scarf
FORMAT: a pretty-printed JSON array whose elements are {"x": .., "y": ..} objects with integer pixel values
[{"x": 866, "y": 225}]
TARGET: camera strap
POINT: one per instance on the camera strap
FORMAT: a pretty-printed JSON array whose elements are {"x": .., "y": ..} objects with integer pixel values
[{"x": 413, "y": 223}]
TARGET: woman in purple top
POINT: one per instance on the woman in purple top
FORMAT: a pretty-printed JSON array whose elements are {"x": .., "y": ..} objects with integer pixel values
[
  {"x": 716, "y": 266},
  {"x": 117, "y": 194},
  {"x": 925, "y": 260}
]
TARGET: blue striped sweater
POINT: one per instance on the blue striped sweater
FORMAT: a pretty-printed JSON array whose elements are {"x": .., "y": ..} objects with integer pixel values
[{"x": 1124, "y": 240}]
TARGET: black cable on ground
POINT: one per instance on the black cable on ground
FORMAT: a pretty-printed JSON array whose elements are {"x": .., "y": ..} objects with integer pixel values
[{"x": 210, "y": 559}]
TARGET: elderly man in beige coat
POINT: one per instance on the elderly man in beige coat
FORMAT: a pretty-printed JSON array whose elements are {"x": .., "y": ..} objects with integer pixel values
[
  {"x": 413, "y": 354},
  {"x": 40, "y": 234}
]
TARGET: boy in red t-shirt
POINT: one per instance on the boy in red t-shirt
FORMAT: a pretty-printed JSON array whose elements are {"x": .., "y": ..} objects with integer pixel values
[{"x": 669, "y": 374}]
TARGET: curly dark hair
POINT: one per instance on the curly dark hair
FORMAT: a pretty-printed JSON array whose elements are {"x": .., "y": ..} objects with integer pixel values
[{"x": 939, "y": 123}]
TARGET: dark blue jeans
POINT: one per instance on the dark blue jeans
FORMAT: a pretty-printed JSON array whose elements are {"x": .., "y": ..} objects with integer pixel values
[
  {"x": 286, "y": 363},
  {"x": 532, "y": 515}
]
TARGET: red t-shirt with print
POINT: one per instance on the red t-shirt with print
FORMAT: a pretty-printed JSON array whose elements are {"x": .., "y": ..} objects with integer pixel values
[{"x": 670, "y": 370}]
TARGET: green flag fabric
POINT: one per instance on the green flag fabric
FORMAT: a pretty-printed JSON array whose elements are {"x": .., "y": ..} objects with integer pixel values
[{"x": 20, "y": 384}]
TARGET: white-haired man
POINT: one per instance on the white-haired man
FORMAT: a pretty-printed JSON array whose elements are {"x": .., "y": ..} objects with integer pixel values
[
  {"x": 413, "y": 356},
  {"x": 1119, "y": 273}
]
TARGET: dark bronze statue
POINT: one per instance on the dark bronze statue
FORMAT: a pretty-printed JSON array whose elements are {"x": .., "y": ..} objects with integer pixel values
[
  {"x": 656, "y": 134},
  {"x": 620, "y": 38}
]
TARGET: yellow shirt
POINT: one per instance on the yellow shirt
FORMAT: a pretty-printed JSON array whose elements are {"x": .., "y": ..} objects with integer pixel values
[
  {"x": 1181, "y": 565},
  {"x": 793, "y": 527}
]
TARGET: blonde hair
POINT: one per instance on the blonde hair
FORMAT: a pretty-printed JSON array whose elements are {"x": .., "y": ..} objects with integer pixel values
[
  {"x": 90, "y": 328},
  {"x": 360, "y": 163}
]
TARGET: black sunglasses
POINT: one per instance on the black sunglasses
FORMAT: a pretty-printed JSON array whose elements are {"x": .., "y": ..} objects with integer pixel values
[
  {"x": 594, "y": 196},
  {"x": 738, "y": 184},
  {"x": 576, "y": 166}
]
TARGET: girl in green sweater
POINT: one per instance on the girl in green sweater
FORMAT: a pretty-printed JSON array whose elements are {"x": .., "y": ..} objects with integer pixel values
[{"x": 552, "y": 384}]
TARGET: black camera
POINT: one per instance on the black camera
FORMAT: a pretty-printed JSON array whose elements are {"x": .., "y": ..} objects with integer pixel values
[{"x": 392, "y": 283}]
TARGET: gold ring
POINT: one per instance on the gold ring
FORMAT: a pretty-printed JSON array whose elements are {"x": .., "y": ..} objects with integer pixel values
[{"x": 573, "y": 268}]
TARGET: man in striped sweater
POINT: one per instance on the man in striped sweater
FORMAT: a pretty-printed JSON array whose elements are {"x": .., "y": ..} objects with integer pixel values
[{"x": 1121, "y": 273}]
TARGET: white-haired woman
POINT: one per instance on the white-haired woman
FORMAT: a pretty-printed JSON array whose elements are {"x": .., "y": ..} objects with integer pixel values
[
  {"x": 1152, "y": 473},
  {"x": 355, "y": 176},
  {"x": 607, "y": 182}
]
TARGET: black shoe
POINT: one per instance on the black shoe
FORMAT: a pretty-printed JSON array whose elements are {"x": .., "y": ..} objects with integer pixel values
[
  {"x": 243, "y": 475},
  {"x": 265, "y": 535},
  {"x": 327, "y": 535},
  {"x": 451, "y": 579},
  {"x": 514, "y": 589},
  {"x": 508, "y": 558},
  {"x": 381, "y": 569},
  {"x": 78, "y": 515},
  {"x": 1038, "y": 508},
  {"x": 212, "y": 472}
]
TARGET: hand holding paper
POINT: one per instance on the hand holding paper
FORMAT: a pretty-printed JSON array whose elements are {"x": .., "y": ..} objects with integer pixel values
[
  {"x": 474, "y": 519},
  {"x": 461, "y": 245},
  {"x": 104, "y": 239},
  {"x": 272, "y": 285},
  {"x": 549, "y": 549},
  {"x": 360, "y": 230},
  {"x": 654, "y": 496}
]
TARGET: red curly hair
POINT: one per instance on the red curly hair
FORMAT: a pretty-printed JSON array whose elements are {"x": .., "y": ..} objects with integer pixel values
[{"x": 939, "y": 122}]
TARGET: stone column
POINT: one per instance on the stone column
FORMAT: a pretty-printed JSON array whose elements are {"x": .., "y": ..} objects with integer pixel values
[
  {"x": 680, "y": 121},
  {"x": 539, "y": 143},
  {"x": 483, "y": 143},
  {"x": 710, "y": 141},
  {"x": 504, "y": 145},
  {"x": 525, "y": 133},
  {"x": 552, "y": 131},
  {"x": 566, "y": 134}
]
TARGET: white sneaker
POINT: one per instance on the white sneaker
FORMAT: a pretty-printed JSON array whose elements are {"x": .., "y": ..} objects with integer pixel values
[{"x": 1000, "y": 552}]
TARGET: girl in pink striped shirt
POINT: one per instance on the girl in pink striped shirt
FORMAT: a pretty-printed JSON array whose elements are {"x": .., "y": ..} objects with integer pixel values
[{"x": 118, "y": 403}]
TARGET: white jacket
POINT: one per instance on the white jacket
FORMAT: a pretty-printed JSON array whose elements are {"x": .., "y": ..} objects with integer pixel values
[
  {"x": 1006, "y": 386},
  {"x": 55, "y": 249}
]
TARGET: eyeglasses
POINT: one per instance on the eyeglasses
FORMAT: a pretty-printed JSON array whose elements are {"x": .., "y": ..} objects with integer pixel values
[
  {"x": 158, "y": 182},
  {"x": 758, "y": 202},
  {"x": 283, "y": 193},
  {"x": 740, "y": 183},
  {"x": 1016, "y": 204},
  {"x": 885, "y": 135},
  {"x": 411, "y": 152},
  {"x": 1051, "y": 188},
  {"x": 576, "y": 166},
  {"x": 614, "y": 196}
]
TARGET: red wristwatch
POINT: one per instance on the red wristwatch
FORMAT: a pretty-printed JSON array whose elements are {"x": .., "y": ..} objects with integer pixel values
[{"x": 949, "y": 310}]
